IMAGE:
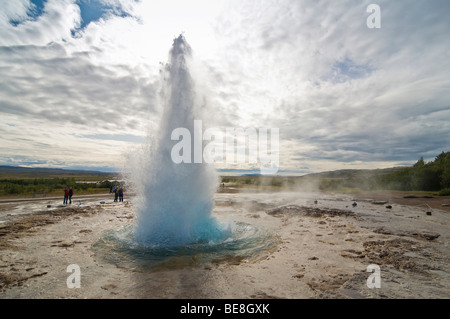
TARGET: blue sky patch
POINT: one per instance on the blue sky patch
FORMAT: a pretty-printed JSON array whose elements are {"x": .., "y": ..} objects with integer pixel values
[
  {"x": 346, "y": 69},
  {"x": 94, "y": 10},
  {"x": 90, "y": 10},
  {"x": 34, "y": 12}
]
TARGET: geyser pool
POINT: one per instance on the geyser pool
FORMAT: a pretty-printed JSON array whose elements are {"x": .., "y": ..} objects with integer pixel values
[{"x": 245, "y": 242}]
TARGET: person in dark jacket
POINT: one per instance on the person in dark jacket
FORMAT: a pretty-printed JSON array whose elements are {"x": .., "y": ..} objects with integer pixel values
[
  {"x": 70, "y": 195},
  {"x": 121, "y": 194}
]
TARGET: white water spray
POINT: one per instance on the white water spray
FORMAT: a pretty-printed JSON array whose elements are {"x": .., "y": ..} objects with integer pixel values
[{"x": 175, "y": 201}]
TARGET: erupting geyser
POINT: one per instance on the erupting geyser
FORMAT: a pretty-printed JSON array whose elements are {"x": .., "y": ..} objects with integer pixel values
[
  {"x": 174, "y": 226},
  {"x": 175, "y": 201}
]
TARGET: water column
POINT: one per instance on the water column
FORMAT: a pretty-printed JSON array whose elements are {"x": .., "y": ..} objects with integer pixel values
[{"x": 175, "y": 201}]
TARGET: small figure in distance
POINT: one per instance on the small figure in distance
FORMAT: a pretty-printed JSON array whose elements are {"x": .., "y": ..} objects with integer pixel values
[
  {"x": 70, "y": 195},
  {"x": 120, "y": 194},
  {"x": 66, "y": 195}
]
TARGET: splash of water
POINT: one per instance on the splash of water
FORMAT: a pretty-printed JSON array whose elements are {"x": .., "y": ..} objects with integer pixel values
[
  {"x": 120, "y": 248},
  {"x": 176, "y": 200}
]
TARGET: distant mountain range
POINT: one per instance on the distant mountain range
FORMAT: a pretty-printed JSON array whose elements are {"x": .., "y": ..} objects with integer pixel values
[
  {"x": 41, "y": 171},
  {"x": 44, "y": 171}
]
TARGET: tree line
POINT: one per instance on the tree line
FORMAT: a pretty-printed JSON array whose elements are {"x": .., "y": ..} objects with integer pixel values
[
  {"x": 431, "y": 176},
  {"x": 422, "y": 176}
]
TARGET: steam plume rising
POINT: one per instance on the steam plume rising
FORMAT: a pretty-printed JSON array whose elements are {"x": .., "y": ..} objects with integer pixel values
[{"x": 176, "y": 200}]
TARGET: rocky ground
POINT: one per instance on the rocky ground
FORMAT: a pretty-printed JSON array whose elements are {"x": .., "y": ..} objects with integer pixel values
[{"x": 324, "y": 246}]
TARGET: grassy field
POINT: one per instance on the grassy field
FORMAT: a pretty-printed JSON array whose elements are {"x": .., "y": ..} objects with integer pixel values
[{"x": 28, "y": 182}]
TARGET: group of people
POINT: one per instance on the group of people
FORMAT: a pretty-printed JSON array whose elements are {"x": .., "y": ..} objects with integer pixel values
[
  {"x": 118, "y": 193},
  {"x": 68, "y": 193}
]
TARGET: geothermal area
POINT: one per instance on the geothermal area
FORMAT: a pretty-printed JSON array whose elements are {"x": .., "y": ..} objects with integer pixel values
[{"x": 183, "y": 234}]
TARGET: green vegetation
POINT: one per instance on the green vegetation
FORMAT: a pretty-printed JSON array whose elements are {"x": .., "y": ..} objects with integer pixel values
[
  {"x": 433, "y": 176},
  {"x": 255, "y": 180},
  {"x": 445, "y": 192},
  {"x": 49, "y": 186},
  {"x": 22, "y": 181}
]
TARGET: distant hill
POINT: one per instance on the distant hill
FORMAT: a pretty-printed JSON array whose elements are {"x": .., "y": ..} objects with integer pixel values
[
  {"x": 433, "y": 176},
  {"x": 422, "y": 176},
  {"x": 346, "y": 173},
  {"x": 35, "y": 172}
]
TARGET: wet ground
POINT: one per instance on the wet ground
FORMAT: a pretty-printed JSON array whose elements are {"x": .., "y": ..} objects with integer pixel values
[{"x": 321, "y": 247}]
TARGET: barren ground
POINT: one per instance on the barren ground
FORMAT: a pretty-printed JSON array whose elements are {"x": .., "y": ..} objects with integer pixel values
[{"x": 323, "y": 249}]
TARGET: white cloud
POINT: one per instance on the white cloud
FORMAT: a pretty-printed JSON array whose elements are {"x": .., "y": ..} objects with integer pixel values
[
  {"x": 58, "y": 19},
  {"x": 341, "y": 94}
]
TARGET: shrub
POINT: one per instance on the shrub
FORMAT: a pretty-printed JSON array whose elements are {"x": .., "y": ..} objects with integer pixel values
[{"x": 444, "y": 192}]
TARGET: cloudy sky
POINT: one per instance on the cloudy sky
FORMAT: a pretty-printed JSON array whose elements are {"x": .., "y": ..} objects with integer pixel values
[{"x": 79, "y": 80}]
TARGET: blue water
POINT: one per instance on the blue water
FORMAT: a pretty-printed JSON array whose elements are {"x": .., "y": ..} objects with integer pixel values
[{"x": 120, "y": 248}]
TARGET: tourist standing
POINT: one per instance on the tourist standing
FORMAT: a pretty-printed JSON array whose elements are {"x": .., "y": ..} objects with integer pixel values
[
  {"x": 121, "y": 194},
  {"x": 116, "y": 194},
  {"x": 66, "y": 195},
  {"x": 70, "y": 195}
]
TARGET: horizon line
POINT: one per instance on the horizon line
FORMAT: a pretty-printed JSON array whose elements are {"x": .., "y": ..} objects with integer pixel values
[{"x": 231, "y": 171}]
